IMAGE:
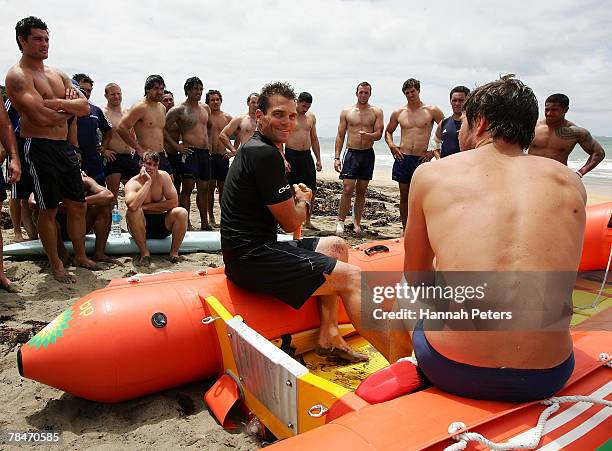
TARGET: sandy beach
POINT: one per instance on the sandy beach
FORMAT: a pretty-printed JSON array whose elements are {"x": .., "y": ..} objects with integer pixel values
[{"x": 172, "y": 419}]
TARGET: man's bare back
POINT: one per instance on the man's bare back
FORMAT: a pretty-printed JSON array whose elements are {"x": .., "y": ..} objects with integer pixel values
[{"x": 511, "y": 237}]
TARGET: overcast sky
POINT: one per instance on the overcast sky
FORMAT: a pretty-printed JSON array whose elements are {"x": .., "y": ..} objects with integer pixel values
[{"x": 327, "y": 46}]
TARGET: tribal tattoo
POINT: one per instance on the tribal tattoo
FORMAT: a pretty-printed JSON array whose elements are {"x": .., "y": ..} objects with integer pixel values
[{"x": 568, "y": 133}]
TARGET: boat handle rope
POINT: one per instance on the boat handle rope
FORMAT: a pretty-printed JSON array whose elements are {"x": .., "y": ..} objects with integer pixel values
[
  {"x": 596, "y": 302},
  {"x": 136, "y": 277},
  {"x": 533, "y": 439},
  {"x": 317, "y": 411},
  {"x": 202, "y": 272},
  {"x": 209, "y": 320}
]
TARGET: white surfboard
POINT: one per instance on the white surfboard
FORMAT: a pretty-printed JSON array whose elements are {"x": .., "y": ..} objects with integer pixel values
[{"x": 193, "y": 242}]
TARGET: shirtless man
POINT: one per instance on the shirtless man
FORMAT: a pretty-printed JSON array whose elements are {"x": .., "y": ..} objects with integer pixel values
[
  {"x": 219, "y": 155},
  {"x": 242, "y": 127},
  {"x": 297, "y": 151},
  {"x": 556, "y": 137},
  {"x": 194, "y": 121},
  {"x": 447, "y": 133},
  {"x": 364, "y": 124},
  {"x": 173, "y": 136},
  {"x": 416, "y": 119},
  {"x": 153, "y": 211},
  {"x": 148, "y": 118},
  {"x": 45, "y": 99},
  {"x": 516, "y": 240},
  {"x": 9, "y": 146},
  {"x": 120, "y": 162}
]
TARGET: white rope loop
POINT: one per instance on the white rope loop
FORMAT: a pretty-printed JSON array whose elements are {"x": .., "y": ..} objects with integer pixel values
[{"x": 533, "y": 440}]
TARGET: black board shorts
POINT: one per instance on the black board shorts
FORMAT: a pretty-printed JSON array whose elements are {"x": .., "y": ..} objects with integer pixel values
[
  {"x": 302, "y": 168},
  {"x": 124, "y": 164},
  {"x": 55, "y": 171},
  {"x": 358, "y": 164},
  {"x": 289, "y": 270},
  {"x": 156, "y": 226},
  {"x": 25, "y": 186},
  {"x": 197, "y": 165},
  {"x": 219, "y": 165}
]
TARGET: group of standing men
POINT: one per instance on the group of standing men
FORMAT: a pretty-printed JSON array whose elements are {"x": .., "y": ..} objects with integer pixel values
[
  {"x": 60, "y": 132},
  {"x": 555, "y": 138}
]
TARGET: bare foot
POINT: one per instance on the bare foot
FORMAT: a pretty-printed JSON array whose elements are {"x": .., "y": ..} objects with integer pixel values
[
  {"x": 19, "y": 238},
  {"x": 310, "y": 226},
  {"x": 346, "y": 354},
  {"x": 144, "y": 261},
  {"x": 63, "y": 276},
  {"x": 7, "y": 285},
  {"x": 213, "y": 223},
  {"x": 104, "y": 258},
  {"x": 358, "y": 230},
  {"x": 173, "y": 258},
  {"x": 206, "y": 227},
  {"x": 86, "y": 263}
]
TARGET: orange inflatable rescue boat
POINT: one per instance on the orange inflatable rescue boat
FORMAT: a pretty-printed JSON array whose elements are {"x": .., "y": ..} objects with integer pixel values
[{"x": 151, "y": 332}]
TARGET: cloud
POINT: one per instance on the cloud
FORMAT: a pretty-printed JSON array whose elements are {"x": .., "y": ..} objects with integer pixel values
[{"x": 327, "y": 47}]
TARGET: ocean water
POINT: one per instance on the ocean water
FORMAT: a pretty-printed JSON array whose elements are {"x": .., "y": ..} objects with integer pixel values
[{"x": 384, "y": 161}]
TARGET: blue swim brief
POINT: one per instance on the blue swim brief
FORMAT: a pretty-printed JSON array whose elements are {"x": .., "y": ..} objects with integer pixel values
[{"x": 477, "y": 382}]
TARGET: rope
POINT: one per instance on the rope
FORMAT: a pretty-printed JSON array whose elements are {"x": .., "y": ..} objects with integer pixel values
[
  {"x": 533, "y": 439},
  {"x": 596, "y": 302}
]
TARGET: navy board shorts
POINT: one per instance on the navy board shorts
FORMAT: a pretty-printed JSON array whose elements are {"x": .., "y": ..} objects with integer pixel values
[
  {"x": 219, "y": 165},
  {"x": 93, "y": 166},
  {"x": 404, "y": 169},
  {"x": 176, "y": 163},
  {"x": 478, "y": 382},
  {"x": 55, "y": 170},
  {"x": 124, "y": 164},
  {"x": 25, "y": 186},
  {"x": 358, "y": 164},
  {"x": 289, "y": 270},
  {"x": 302, "y": 168},
  {"x": 156, "y": 226},
  {"x": 197, "y": 165}
]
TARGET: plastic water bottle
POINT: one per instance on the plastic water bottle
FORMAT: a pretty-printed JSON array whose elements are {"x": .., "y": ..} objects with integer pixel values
[{"x": 116, "y": 225}]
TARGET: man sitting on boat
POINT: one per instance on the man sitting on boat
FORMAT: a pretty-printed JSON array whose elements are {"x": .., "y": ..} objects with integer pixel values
[
  {"x": 153, "y": 211},
  {"x": 256, "y": 198},
  {"x": 498, "y": 211}
]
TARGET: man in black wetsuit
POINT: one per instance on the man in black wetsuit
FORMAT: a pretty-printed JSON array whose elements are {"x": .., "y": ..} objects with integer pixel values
[
  {"x": 447, "y": 133},
  {"x": 257, "y": 197}
]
